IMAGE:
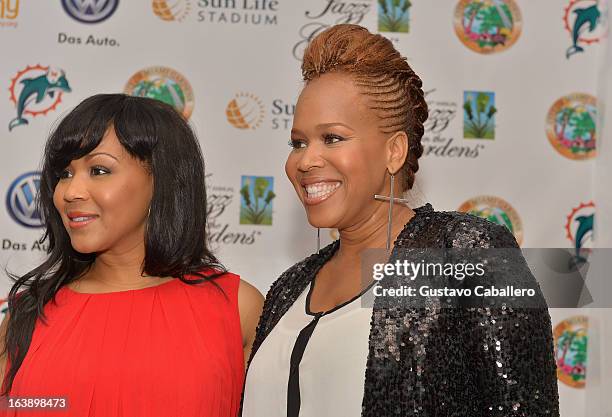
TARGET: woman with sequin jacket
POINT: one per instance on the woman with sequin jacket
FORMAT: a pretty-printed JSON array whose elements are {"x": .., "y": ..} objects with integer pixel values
[{"x": 318, "y": 350}]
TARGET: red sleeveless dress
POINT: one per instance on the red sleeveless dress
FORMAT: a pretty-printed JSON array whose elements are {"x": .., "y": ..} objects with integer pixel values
[{"x": 172, "y": 350}]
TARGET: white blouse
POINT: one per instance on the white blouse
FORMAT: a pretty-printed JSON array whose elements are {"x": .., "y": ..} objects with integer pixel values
[{"x": 331, "y": 371}]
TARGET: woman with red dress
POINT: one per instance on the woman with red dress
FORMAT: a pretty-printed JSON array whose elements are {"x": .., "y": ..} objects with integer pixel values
[{"x": 130, "y": 314}]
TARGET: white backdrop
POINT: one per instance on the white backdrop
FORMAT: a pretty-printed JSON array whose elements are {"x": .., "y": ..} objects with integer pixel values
[{"x": 231, "y": 67}]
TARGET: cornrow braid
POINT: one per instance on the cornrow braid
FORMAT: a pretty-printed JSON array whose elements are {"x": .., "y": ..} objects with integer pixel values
[{"x": 380, "y": 72}]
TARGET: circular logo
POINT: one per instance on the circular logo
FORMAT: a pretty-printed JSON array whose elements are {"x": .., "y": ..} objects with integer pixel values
[
  {"x": 45, "y": 86},
  {"x": 487, "y": 26},
  {"x": 164, "y": 84},
  {"x": 245, "y": 111},
  {"x": 172, "y": 10},
  {"x": 571, "y": 337},
  {"x": 90, "y": 11},
  {"x": 570, "y": 126},
  {"x": 21, "y": 200},
  {"x": 496, "y": 210}
]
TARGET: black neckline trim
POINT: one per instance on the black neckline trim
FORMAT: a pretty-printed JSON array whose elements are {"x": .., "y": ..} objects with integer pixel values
[{"x": 322, "y": 258}]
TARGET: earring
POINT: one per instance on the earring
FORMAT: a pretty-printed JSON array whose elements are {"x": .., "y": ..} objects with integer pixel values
[
  {"x": 391, "y": 199},
  {"x": 390, "y": 218},
  {"x": 318, "y": 240}
]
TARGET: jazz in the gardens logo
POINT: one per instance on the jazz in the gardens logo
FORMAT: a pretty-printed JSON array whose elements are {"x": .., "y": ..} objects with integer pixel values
[
  {"x": 36, "y": 90},
  {"x": 479, "y": 115},
  {"x": 394, "y": 16},
  {"x": 9, "y": 12},
  {"x": 571, "y": 126},
  {"x": 583, "y": 21},
  {"x": 438, "y": 138},
  {"x": 322, "y": 14},
  {"x": 90, "y": 11},
  {"x": 579, "y": 229},
  {"x": 571, "y": 339},
  {"x": 21, "y": 200},
  {"x": 219, "y": 200},
  {"x": 243, "y": 12},
  {"x": 487, "y": 26},
  {"x": 256, "y": 195},
  {"x": 245, "y": 111},
  {"x": 172, "y": 10},
  {"x": 164, "y": 84},
  {"x": 496, "y": 210}
]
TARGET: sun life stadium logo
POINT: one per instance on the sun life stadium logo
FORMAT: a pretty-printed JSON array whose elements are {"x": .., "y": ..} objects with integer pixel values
[
  {"x": 496, "y": 210},
  {"x": 487, "y": 26},
  {"x": 245, "y": 111},
  {"x": 583, "y": 21},
  {"x": 21, "y": 200},
  {"x": 36, "y": 90},
  {"x": 90, "y": 11},
  {"x": 571, "y": 126},
  {"x": 172, "y": 10},
  {"x": 163, "y": 84}
]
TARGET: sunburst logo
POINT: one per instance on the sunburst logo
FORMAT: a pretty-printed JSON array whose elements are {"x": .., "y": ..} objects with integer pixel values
[
  {"x": 172, "y": 10},
  {"x": 35, "y": 91},
  {"x": 245, "y": 111}
]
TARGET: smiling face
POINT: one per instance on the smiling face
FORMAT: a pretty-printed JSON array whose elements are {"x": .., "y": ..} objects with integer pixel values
[
  {"x": 339, "y": 157},
  {"x": 103, "y": 198}
]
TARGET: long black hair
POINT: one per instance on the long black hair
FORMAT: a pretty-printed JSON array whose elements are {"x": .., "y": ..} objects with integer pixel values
[{"x": 175, "y": 237}]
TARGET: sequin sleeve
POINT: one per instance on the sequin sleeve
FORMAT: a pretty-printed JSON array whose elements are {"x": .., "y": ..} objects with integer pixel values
[{"x": 512, "y": 360}]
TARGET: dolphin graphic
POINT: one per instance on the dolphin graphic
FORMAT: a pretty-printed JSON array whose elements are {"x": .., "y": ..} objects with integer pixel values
[
  {"x": 587, "y": 16},
  {"x": 36, "y": 89},
  {"x": 585, "y": 225}
]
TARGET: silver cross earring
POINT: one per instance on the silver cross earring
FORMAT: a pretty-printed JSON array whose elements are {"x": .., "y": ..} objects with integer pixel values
[{"x": 391, "y": 199}]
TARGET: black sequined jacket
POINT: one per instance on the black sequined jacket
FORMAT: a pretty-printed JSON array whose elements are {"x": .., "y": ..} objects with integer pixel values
[{"x": 470, "y": 362}]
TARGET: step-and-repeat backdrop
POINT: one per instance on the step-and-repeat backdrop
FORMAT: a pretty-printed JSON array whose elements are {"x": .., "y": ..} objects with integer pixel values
[{"x": 511, "y": 85}]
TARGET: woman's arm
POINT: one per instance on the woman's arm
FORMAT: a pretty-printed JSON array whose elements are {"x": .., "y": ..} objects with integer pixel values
[
  {"x": 511, "y": 349},
  {"x": 250, "y": 304}
]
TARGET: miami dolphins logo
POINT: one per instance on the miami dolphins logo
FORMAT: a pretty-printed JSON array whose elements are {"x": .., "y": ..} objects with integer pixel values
[
  {"x": 36, "y": 90},
  {"x": 570, "y": 340},
  {"x": 487, "y": 26},
  {"x": 579, "y": 229},
  {"x": 583, "y": 20}
]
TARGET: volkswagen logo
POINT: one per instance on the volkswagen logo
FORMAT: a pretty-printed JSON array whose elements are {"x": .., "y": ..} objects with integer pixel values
[
  {"x": 21, "y": 200},
  {"x": 90, "y": 11}
]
